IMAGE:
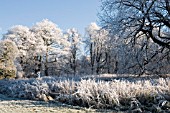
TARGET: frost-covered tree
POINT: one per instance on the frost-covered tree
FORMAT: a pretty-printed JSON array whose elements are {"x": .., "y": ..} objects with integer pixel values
[
  {"x": 8, "y": 54},
  {"x": 41, "y": 47},
  {"x": 74, "y": 39},
  {"x": 51, "y": 44},
  {"x": 25, "y": 43},
  {"x": 91, "y": 32},
  {"x": 139, "y": 18},
  {"x": 98, "y": 45},
  {"x": 144, "y": 25}
]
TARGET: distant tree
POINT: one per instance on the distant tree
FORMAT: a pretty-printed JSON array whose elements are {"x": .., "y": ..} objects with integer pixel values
[
  {"x": 75, "y": 41},
  {"x": 98, "y": 46}
]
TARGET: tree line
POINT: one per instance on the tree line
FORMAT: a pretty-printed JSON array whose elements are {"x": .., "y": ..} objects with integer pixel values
[{"x": 133, "y": 38}]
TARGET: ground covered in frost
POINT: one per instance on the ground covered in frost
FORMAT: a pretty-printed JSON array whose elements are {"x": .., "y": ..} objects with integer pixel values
[
  {"x": 112, "y": 92},
  {"x": 15, "y": 105}
]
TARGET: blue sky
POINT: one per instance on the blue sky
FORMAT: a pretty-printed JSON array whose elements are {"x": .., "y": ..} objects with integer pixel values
[{"x": 65, "y": 13}]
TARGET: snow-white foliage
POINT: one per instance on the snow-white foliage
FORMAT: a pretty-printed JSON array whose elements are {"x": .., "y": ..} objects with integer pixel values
[
  {"x": 99, "y": 46},
  {"x": 23, "y": 38},
  {"x": 44, "y": 48},
  {"x": 25, "y": 41},
  {"x": 89, "y": 92},
  {"x": 49, "y": 36},
  {"x": 46, "y": 34},
  {"x": 73, "y": 37},
  {"x": 75, "y": 41},
  {"x": 50, "y": 42},
  {"x": 40, "y": 47}
]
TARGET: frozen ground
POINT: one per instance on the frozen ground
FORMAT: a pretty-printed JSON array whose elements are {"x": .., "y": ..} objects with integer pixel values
[{"x": 13, "y": 105}]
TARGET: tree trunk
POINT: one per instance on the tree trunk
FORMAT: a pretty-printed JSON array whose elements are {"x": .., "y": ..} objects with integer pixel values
[
  {"x": 116, "y": 67},
  {"x": 46, "y": 63},
  {"x": 92, "y": 58}
]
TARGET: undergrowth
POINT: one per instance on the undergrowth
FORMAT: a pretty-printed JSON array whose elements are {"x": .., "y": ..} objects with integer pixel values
[{"x": 91, "y": 92}]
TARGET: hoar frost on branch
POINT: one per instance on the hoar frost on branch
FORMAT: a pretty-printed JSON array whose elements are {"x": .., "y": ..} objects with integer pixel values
[
  {"x": 74, "y": 38},
  {"x": 99, "y": 47},
  {"x": 143, "y": 27},
  {"x": 39, "y": 47},
  {"x": 44, "y": 49},
  {"x": 138, "y": 18},
  {"x": 50, "y": 41},
  {"x": 25, "y": 41}
]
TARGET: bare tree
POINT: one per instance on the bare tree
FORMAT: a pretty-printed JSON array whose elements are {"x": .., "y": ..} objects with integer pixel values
[
  {"x": 139, "y": 18},
  {"x": 145, "y": 26}
]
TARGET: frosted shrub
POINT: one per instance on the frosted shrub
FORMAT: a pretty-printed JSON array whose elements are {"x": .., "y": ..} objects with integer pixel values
[
  {"x": 90, "y": 93},
  {"x": 30, "y": 89},
  {"x": 98, "y": 93}
]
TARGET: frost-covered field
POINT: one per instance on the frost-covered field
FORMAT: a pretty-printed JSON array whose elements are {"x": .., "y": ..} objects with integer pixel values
[
  {"x": 15, "y": 105},
  {"x": 105, "y": 91}
]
